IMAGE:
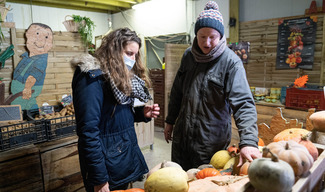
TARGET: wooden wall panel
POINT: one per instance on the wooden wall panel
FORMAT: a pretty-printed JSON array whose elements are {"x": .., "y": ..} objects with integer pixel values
[
  {"x": 20, "y": 170},
  {"x": 263, "y": 36},
  {"x": 173, "y": 56},
  {"x": 60, "y": 164},
  {"x": 6, "y": 72},
  {"x": 59, "y": 73}
]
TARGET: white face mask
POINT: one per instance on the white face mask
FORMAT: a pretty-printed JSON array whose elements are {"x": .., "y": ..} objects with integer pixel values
[{"x": 128, "y": 62}]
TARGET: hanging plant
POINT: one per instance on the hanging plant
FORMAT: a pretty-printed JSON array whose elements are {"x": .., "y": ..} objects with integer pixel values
[{"x": 85, "y": 29}]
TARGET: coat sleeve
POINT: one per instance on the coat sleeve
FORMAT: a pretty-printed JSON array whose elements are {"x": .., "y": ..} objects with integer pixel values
[
  {"x": 88, "y": 101},
  {"x": 243, "y": 105},
  {"x": 139, "y": 115}
]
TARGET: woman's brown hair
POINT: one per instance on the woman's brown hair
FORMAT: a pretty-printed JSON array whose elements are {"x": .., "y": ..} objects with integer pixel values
[{"x": 110, "y": 55}]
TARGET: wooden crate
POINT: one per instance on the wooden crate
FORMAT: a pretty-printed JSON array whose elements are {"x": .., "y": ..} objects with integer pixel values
[
  {"x": 20, "y": 170},
  {"x": 158, "y": 83},
  {"x": 313, "y": 182},
  {"x": 60, "y": 165}
]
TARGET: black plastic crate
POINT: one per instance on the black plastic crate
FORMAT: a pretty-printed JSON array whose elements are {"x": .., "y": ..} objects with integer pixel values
[
  {"x": 20, "y": 134},
  {"x": 61, "y": 127}
]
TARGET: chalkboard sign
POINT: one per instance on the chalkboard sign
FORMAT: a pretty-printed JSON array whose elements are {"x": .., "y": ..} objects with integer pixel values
[
  {"x": 47, "y": 109},
  {"x": 66, "y": 100},
  {"x": 10, "y": 113}
]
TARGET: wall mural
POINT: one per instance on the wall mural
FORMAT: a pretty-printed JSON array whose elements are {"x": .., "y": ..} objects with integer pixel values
[
  {"x": 29, "y": 75},
  {"x": 296, "y": 43}
]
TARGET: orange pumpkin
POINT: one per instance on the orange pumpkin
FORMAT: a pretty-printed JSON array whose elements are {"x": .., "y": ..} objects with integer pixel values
[
  {"x": 261, "y": 142},
  {"x": 130, "y": 190},
  {"x": 244, "y": 168},
  {"x": 207, "y": 172},
  {"x": 310, "y": 146},
  {"x": 290, "y": 134},
  {"x": 233, "y": 149},
  {"x": 225, "y": 171},
  {"x": 134, "y": 190}
]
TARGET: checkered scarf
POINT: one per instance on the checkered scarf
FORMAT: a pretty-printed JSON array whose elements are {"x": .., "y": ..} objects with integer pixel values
[{"x": 139, "y": 91}]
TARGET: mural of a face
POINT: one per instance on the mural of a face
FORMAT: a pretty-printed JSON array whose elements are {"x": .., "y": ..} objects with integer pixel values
[{"x": 39, "y": 40}]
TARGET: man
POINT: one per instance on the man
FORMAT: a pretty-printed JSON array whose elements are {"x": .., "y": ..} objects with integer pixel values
[{"x": 209, "y": 87}]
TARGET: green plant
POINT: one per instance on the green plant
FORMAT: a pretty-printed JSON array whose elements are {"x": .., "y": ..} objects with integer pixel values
[{"x": 86, "y": 28}]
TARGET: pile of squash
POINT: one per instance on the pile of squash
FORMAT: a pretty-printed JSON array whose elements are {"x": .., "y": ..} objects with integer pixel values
[
  {"x": 288, "y": 158},
  {"x": 285, "y": 160}
]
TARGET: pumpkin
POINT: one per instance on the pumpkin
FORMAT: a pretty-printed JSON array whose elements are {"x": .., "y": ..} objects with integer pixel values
[
  {"x": 225, "y": 171},
  {"x": 233, "y": 149},
  {"x": 290, "y": 134},
  {"x": 167, "y": 179},
  {"x": 244, "y": 168},
  {"x": 310, "y": 146},
  {"x": 207, "y": 172},
  {"x": 261, "y": 142},
  {"x": 134, "y": 190},
  {"x": 220, "y": 158},
  {"x": 230, "y": 163},
  {"x": 271, "y": 174},
  {"x": 318, "y": 120},
  {"x": 162, "y": 165},
  {"x": 205, "y": 166},
  {"x": 218, "y": 183},
  {"x": 293, "y": 153},
  {"x": 191, "y": 173},
  {"x": 130, "y": 190}
]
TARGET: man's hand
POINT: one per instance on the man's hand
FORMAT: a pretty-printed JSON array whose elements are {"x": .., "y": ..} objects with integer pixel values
[
  {"x": 168, "y": 132},
  {"x": 249, "y": 153}
]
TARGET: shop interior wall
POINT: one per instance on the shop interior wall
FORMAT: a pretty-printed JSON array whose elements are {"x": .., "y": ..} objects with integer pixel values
[
  {"x": 261, "y": 72},
  {"x": 252, "y": 10},
  {"x": 23, "y": 15},
  {"x": 59, "y": 72}
]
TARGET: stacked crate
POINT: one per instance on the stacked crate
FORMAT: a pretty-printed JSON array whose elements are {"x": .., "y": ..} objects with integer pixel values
[{"x": 158, "y": 83}]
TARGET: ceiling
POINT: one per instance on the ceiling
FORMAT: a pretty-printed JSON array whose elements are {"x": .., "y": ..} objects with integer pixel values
[{"x": 104, "y": 6}]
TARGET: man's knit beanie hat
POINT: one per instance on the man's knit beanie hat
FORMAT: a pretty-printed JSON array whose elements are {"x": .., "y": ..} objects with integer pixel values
[{"x": 210, "y": 17}]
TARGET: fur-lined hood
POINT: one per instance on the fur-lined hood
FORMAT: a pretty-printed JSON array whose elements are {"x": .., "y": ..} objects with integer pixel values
[{"x": 86, "y": 62}]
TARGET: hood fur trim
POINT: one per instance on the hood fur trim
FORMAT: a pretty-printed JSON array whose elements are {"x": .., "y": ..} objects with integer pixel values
[{"x": 86, "y": 62}]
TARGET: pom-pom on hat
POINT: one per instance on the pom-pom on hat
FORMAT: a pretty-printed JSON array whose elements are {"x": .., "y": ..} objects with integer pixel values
[{"x": 210, "y": 17}]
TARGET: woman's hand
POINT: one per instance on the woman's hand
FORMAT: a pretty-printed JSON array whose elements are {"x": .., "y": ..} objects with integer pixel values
[
  {"x": 151, "y": 111},
  {"x": 168, "y": 132},
  {"x": 249, "y": 153},
  {"x": 102, "y": 188}
]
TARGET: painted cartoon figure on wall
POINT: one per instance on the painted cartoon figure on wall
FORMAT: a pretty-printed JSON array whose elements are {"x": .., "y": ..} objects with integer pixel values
[{"x": 29, "y": 75}]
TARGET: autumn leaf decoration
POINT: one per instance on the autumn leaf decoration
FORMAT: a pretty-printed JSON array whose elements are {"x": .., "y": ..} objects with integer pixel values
[{"x": 301, "y": 81}]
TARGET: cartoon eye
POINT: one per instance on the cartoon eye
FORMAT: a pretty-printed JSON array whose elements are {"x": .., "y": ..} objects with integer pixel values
[
  {"x": 37, "y": 33},
  {"x": 46, "y": 37}
]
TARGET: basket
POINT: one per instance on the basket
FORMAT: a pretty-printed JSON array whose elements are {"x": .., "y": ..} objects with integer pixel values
[
  {"x": 304, "y": 99},
  {"x": 4, "y": 11},
  {"x": 70, "y": 25},
  {"x": 21, "y": 134},
  {"x": 61, "y": 127}
]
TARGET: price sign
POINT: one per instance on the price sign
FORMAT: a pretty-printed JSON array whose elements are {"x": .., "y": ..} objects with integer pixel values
[
  {"x": 45, "y": 110},
  {"x": 66, "y": 100}
]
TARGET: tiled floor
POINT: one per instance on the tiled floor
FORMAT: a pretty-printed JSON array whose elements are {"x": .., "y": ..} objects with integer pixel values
[{"x": 161, "y": 151}]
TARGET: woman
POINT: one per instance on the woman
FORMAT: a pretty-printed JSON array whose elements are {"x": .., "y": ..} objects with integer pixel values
[{"x": 104, "y": 89}]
